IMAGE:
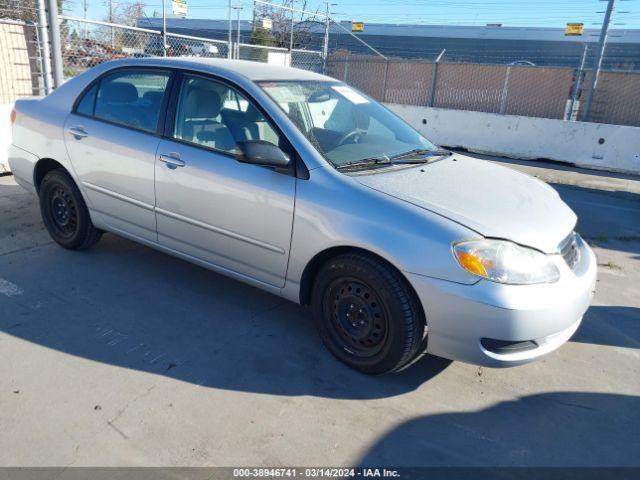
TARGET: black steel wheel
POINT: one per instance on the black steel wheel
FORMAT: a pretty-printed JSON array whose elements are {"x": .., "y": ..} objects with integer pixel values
[
  {"x": 64, "y": 212},
  {"x": 367, "y": 314},
  {"x": 359, "y": 320}
]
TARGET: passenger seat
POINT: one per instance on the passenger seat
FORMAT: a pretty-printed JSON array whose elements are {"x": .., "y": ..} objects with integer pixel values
[
  {"x": 201, "y": 126},
  {"x": 249, "y": 125},
  {"x": 117, "y": 101}
]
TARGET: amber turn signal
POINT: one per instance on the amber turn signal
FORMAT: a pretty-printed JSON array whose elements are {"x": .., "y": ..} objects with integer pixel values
[{"x": 472, "y": 263}]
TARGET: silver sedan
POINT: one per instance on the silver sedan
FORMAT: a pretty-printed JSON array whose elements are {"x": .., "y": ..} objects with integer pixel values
[{"x": 300, "y": 185}]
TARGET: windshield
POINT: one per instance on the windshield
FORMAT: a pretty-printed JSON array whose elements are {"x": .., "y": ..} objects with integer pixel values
[{"x": 344, "y": 125}]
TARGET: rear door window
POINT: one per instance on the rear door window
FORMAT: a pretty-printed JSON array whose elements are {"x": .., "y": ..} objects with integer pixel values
[{"x": 128, "y": 98}]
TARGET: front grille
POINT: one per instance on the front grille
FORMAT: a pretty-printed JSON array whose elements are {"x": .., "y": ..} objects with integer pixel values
[{"x": 570, "y": 250}]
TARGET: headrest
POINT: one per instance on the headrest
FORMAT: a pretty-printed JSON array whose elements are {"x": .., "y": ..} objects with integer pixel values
[
  {"x": 253, "y": 114},
  {"x": 153, "y": 96},
  {"x": 119, "y": 92},
  {"x": 203, "y": 102}
]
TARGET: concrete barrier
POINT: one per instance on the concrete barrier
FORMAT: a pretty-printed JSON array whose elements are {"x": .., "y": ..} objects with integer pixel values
[
  {"x": 591, "y": 145},
  {"x": 5, "y": 135}
]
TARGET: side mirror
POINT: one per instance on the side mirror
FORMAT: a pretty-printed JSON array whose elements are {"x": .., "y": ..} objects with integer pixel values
[{"x": 261, "y": 152}]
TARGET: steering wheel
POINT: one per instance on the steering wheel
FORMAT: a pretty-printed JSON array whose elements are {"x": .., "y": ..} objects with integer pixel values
[{"x": 355, "y": 136}]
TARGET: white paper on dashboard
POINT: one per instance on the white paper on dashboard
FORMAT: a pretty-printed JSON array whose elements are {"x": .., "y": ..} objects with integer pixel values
[{"x": 350, "y": 94}]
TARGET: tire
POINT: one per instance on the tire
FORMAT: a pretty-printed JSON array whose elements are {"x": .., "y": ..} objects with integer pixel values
[
  {"x": 367, "y": 314},
  {"x": 64, "y": 213}
]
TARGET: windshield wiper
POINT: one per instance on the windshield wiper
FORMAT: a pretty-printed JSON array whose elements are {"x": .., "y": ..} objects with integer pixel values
[
  {"x": 365, "y": 163},
  {"x": 419, "y": 155}
]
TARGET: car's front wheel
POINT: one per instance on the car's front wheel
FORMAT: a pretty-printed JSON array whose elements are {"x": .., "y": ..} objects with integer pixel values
[
  {"x": 64, "y": 212},
  {"x": 367, "y": 314}
]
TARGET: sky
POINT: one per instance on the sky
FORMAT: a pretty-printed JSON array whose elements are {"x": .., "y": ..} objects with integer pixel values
[{"x": 550, "y": 13}]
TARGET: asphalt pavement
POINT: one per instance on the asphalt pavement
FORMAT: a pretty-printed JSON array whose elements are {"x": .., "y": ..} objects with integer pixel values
[{"x": 124, "y": 356}]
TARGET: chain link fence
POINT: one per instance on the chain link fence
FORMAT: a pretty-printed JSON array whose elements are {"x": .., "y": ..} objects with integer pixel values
[
  {"x": 87, "y": 43},
  {"x": 305, "y": 59},
  {"x": 616, "y": 99},
  {"x": 260, "y": 53},
  {"x": 546, "y": 92}
]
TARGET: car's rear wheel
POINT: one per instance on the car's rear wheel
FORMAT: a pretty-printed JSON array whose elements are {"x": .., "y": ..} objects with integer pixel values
[
  {"x": 367, "y": 314},
  {"x": 64, "y": 212}
]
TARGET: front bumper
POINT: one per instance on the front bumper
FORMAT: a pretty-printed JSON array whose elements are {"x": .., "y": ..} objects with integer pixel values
[{"x": 545, "y": 315}]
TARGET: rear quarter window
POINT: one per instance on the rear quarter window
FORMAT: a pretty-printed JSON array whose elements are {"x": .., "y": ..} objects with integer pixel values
[{"x": 85, "y": 106}]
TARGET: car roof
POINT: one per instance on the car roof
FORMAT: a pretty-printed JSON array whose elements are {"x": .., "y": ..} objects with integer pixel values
[{"x": 254, "y": 71}]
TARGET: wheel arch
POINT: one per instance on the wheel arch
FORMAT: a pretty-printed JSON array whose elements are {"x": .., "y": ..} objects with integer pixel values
[
  {"x": 315, "y": 264},
  {"x": 44, "y": 166}
]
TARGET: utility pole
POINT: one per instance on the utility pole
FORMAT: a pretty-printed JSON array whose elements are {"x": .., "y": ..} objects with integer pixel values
[
  {"x": 229, "y": 53},
  {"x": 597, "y": 64},
  {"x": 291, "y": 36},
  {"x": 84, "y": 8},
  {"x": 111, "y": 19},
  {"x": 253, "y": 22},
  {"x": 56, "y": 45},
  {"x": 325, "y": 46},
  {"x": 238, "y": 7}
]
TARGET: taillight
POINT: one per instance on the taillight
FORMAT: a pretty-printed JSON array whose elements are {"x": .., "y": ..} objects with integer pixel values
[{"x": 12, "y": 116}]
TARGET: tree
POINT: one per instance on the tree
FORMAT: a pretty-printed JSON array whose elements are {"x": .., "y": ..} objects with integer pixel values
[
  {"x": 263, "y": 37},
  {"x": 25, "y": 10},
  {"x": 303, "y": 23},
  {"x": 129, "y": 14}
]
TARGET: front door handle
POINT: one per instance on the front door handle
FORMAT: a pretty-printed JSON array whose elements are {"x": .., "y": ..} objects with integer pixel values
[
  {"x": 172, "y": 161},
  {"x": 78, "y": 132}
]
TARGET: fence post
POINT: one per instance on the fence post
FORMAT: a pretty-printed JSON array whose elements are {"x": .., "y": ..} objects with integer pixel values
[
  {"x": 576, "y": 86},
  {"x": 164, "y": 30},
  {"x": 56, "y": 44},
  {"x": 346, "y": 68},
  {"x": 238, "y": 35},
  {"x": 434, "y": 77},
  {"x": 43, "y": 40},
  {"x": 505, "y": 91},
  {"x": 384, "y": 85}
]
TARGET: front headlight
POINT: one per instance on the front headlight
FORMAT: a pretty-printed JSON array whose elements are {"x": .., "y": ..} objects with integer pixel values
[{"x": 505, "y": 262}]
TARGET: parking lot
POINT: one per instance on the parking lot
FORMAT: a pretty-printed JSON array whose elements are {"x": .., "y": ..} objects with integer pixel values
[{"x": 122, "y": 355}]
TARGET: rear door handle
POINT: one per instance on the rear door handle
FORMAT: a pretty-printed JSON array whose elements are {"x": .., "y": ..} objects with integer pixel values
[
  {"x": 172, "y": 161},
  {"x": 78, "y": 132}
]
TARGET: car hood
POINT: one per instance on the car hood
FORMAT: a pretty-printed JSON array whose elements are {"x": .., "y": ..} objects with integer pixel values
[{"x": 494, "y": 201}]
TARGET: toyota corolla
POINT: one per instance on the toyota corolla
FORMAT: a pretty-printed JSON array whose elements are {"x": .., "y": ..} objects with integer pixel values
[{"x": 298, "y": 184}]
